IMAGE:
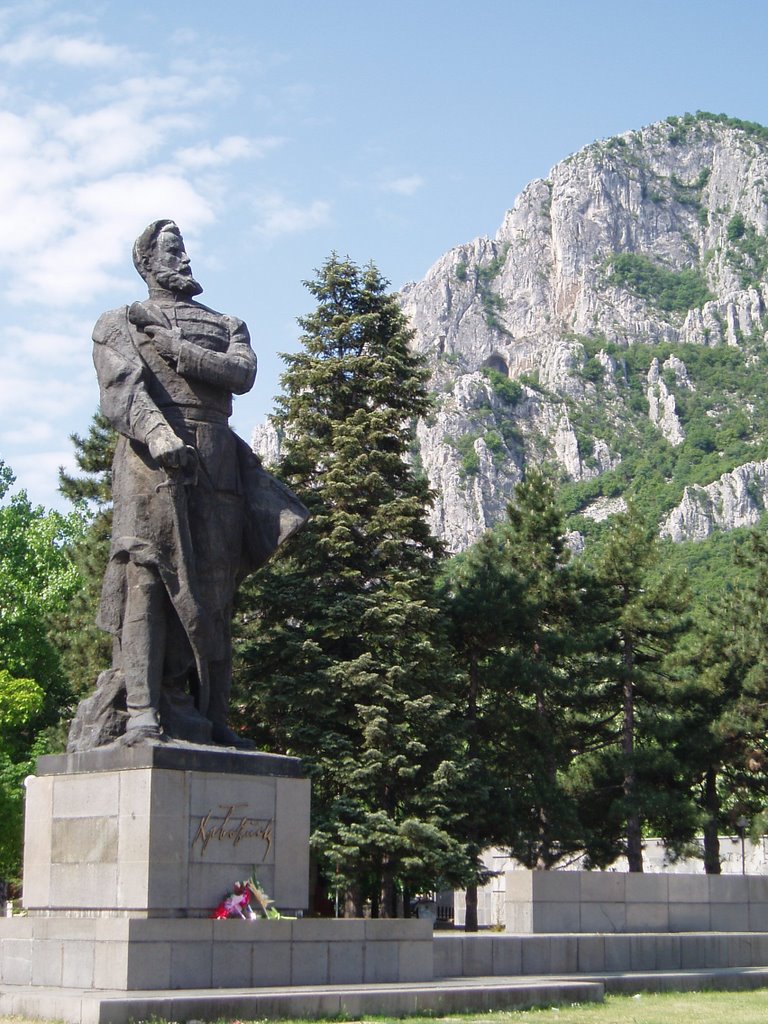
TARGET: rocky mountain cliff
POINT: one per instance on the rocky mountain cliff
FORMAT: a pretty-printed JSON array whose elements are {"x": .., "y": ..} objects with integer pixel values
[
  {"x": 614, "y": 328},
  {"x": 651, "y": 245}
]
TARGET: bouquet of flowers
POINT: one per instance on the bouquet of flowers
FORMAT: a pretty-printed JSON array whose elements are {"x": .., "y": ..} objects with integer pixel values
[{"x": 248, "y": 901}]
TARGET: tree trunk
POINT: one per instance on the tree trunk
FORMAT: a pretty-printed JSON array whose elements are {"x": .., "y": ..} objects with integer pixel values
[
  {"x": 353, "y": 902},
  {"x": 545, "y": 854},
  {"x": 634, "y": 825},
  {"x": 712, "y": 864},
  {"x": 407, "y": 902},
  {"x": 470, "y": 912},
  {"x": 388, "y": 906},
  {"x": 634, "y": 844}
]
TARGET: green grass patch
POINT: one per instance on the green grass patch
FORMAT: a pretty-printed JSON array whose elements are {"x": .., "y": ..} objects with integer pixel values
[
  {"x": 646, "y": 1008},
  {"x": 664, "y": 1008}
]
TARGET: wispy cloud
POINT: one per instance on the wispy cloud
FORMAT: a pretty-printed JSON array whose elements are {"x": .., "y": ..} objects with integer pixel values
[
  {"x": 276, "y": 215},
  {"x": 71, "y": 51},
  {"x": 405, "y": 186},
  {"x": 233, "y": 147}
]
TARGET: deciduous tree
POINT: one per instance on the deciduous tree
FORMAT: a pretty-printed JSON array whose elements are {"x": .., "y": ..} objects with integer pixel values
[{"x": 37, "y": 579}]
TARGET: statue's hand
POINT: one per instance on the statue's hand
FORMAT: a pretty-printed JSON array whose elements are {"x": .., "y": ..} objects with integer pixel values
[
  {"x": 167, "y": 341},
  {"x": 169, "y": 450}
]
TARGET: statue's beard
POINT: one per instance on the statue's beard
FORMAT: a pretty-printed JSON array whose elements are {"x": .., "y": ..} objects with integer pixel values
[{"x": 181, "y": 284}]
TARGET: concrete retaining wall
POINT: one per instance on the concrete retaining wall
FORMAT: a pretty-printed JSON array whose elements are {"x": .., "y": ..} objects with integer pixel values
[
  {"x": 596, "y": 901},
  {"x": 466, "y": 956}
]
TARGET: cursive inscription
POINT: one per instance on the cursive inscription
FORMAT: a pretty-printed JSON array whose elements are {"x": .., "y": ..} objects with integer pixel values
[{"x": 232, "y": 827}]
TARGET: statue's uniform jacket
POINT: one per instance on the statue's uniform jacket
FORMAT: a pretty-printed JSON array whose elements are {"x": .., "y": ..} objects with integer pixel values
[{"x": 204, "y": 532}]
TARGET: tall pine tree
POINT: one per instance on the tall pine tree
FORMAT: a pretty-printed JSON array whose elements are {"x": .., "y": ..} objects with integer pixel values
[
  {"x": 340, "y": 664},
  {"x": 480, "y": 594},
  {"x": 546, "y": 710},
  {"x": 726, "y": 700},
  {"x": 517, "y": 610},
  {"x": 637, "y": 780}
]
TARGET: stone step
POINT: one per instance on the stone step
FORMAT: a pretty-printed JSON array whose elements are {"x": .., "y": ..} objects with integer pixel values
[
  {"x": 322, "y": 1001},
  {"x": 446, "y": 996}
]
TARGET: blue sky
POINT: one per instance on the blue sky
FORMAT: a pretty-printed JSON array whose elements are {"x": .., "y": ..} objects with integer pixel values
[{"x": 275, "y": 134}]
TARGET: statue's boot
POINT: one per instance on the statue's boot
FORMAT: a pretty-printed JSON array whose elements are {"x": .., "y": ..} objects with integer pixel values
[
  {"x": 218, "y": 707},
  {"x": 142, "y": 725},
  {"x": 222, "y": 734},
  {"x": 142, "y": 651}
]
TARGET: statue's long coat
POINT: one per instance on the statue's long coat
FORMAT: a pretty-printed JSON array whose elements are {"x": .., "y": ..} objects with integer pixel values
[{"x": 206, "y": 530}]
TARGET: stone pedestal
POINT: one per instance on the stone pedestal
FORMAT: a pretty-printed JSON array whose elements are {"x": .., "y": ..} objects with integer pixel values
[
  {"x": 163, "y": 831},
  {"x": 127, "y": 851}
]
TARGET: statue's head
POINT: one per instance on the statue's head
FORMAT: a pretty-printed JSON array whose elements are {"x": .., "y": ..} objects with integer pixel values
[{"x": 161, "y": 259}]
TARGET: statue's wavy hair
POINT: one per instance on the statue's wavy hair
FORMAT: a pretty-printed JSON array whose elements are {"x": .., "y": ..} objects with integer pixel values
[{"x": 144, "y": 245}]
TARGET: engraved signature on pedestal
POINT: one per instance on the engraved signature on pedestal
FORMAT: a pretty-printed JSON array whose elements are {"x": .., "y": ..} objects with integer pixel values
[{"x": 232, "y": 827}]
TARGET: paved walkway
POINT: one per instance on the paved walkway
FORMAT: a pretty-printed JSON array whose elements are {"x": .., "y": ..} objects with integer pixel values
[{"x": 444, "y": 996}]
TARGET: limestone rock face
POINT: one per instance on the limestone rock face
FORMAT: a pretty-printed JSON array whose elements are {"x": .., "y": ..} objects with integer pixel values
[
  {"x": 265, "y": 441},
  {"x": 662, "y": 410},
  {"x": 531, "y": 304},
  {"x": 736, "y": 499}
]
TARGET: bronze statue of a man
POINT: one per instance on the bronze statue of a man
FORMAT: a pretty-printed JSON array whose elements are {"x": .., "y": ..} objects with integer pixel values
[{"x": 194, "y": 512}]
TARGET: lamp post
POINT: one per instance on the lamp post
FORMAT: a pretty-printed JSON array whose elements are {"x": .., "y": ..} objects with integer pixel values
[{"x": 741, "y": 825}]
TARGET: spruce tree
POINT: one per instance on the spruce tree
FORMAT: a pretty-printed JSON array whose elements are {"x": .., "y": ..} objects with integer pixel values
[
  {"x": 340, "y": 667},
  {"x": 93, "y": 455}
]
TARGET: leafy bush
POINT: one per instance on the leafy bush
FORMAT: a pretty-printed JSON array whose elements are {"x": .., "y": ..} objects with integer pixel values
[
  {"x": 736, "y": 227},
  {"x": 470, "y": 460},
  {"x": 593, "y": 370},
  {"x": 492, "y": 303},
  {"x": 749, "y": 253},
  {"x": 681, "y": 126},
  {"x": 725, "y": 420},
  {"x": 492, "y": 268},
  {"x": 508, "y": 390},
  {"x": 668, "y": 290}
]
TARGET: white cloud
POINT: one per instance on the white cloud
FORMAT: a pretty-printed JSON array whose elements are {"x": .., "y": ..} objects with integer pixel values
[
  {"x": 34, "y": 474},
  {"x": 40, "y": 407},
  {"x": 277, "y": 216},
  {"x": 96, "y": 142},
  {"x": 233, "y": 147},
  {"x": 83, "y": 175},
  {"x": 103, "y": 219},
  {"x": 46, "y": 345},
  {"x": 406, "y": 186},
  {"x": 71, "y": 51}
]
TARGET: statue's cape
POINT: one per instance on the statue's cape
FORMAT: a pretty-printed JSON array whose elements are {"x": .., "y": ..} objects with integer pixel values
[{"x": 273, "y": 512}]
